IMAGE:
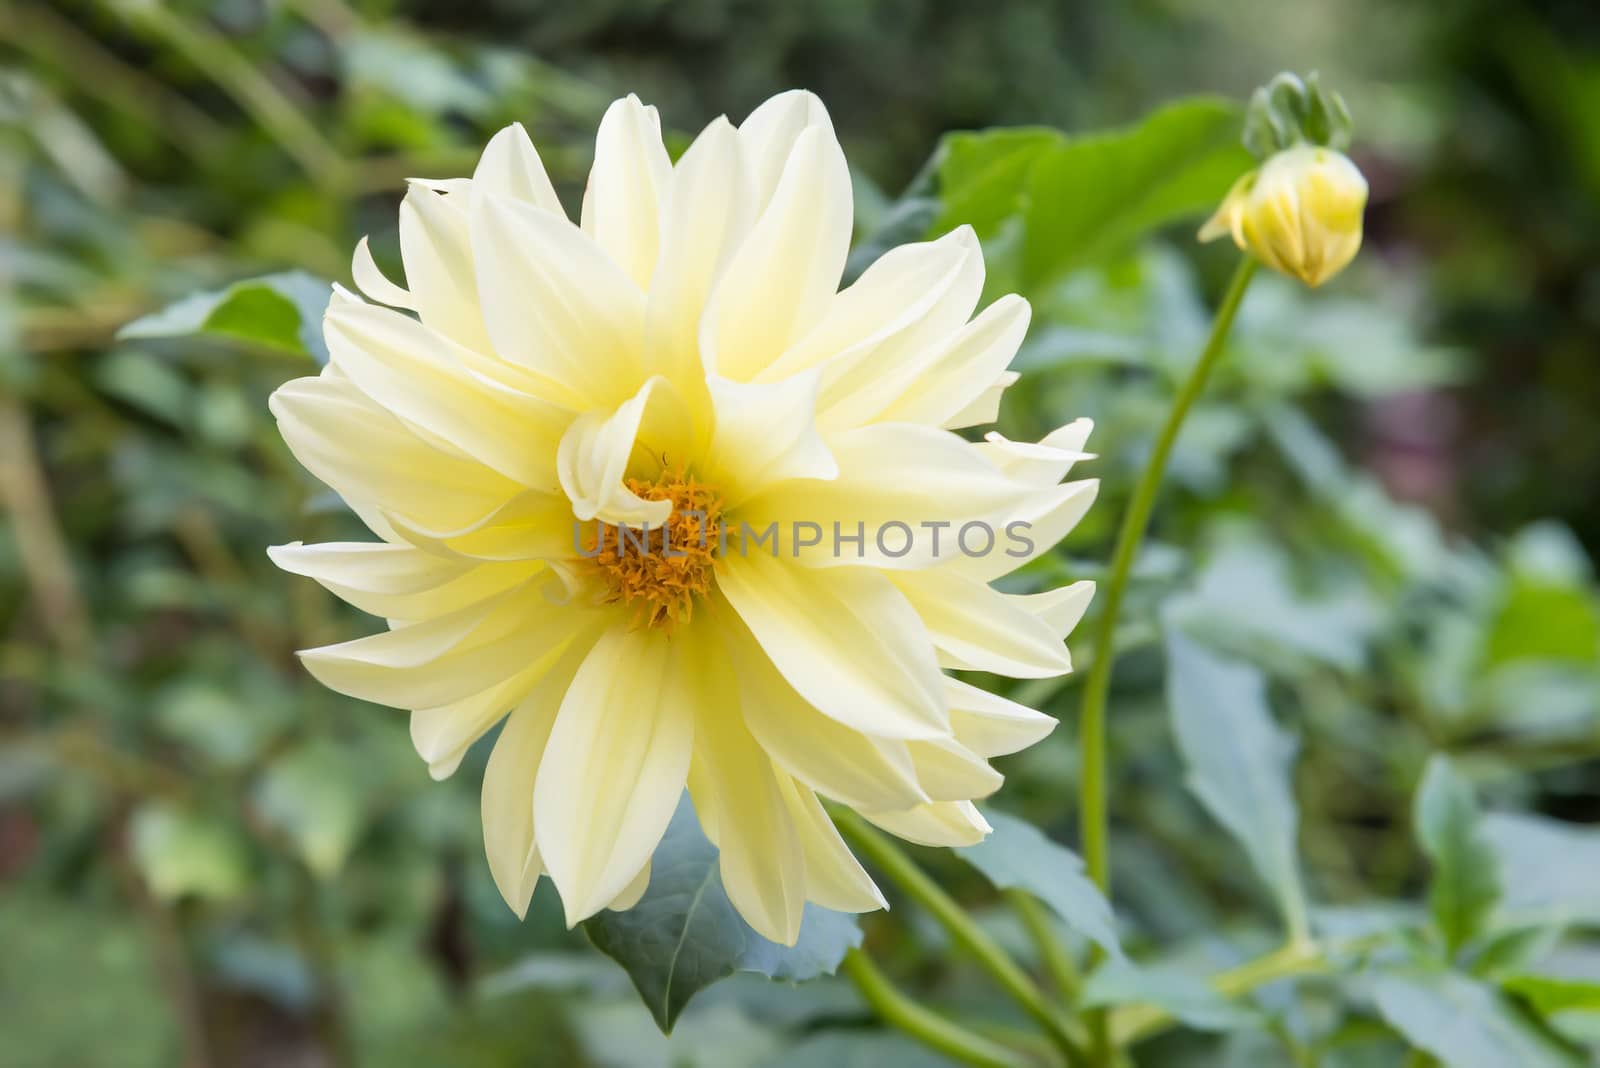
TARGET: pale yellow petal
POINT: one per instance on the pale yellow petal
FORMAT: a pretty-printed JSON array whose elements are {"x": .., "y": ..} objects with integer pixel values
[
  {"x": 834, "y": 878},
  {"x": 415, "y": 374},
  {"x": 765, "y": 433},
  {"x": 839, "y": 761},
  {"x": 373, "y": 282},
  {"x": 943, "y": 823},
  {"x": 367, "y": 455},
  {"x": 622, "y": 204},
  {"x": 709, "y": 207},
  {"x": 977, "y": 628},
  {"x": 768, "y": 135},
  {"x": 509, "y": 838},
  {"x": 399, "y": 581},
  {"x": 991, "y": 725},
  {"x": 615, "y": 766},
  {"x": 441, "y": 660},
  {"x": 555, "y": 302},
  {"x": 781, "y": 281},
  {"x": 845, "y": 639},
  {"x": 598, "y": 449},
  {"x": 760, "y": 856},
  {"x": 436, "y": 246},
  {"x": 968, "y": 366},
  {"x": 510, "y": 167}
]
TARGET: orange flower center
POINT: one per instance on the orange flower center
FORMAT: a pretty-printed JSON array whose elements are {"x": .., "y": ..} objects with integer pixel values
[{"x": 658, "y": 570}]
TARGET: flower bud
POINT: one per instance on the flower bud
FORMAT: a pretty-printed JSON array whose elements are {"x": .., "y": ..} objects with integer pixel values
[{"x": 1299, "y": 213}]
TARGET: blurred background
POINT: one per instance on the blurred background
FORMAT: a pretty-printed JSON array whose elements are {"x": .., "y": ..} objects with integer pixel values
[{"x": 1389, "y": 496}]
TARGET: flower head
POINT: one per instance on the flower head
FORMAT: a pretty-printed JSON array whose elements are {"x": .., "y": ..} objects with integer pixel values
[
  {"x": 1299, "y": 213},
  {"x": 654, "y": 491}
]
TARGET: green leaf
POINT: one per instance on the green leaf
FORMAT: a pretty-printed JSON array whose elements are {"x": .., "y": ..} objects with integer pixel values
[
  {"x": 1238, "y": 761},
  {"x": 1552, "y": 870},
  {"x": 1093, "y": 195},
  {"x": 1554, "y": 993},
  {"x": 1017, "y": 855},
  {"x": 278, "y": 311},
  {"x": 1186, "y": 997},
  {"x": 1466, "y": 881},
  {"x": 1466, "y": 1024},
  {"x": 312, "y": 795},
  {"x": 983, "y": 175},
  {"x": 185, "y": 852},
  {"x": 685, "y": 934}
]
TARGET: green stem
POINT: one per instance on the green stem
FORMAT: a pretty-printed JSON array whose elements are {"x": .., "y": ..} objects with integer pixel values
[
  {"x": 1137, "y": 1022},
  {"x": 921, "y": 1023},
  {"x": 903, "y": 871},
  {"x": 1092, "y": 721},
  {"x": 1053, "y": 953}
]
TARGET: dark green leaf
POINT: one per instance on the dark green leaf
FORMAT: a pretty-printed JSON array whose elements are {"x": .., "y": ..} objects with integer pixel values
[
  {"x": 685, "y": 934},
  {"x": 1466, "y": 880},
  {"x": 1466, "y": 1024},
  {"x": 1238, "y": 761},
  {"x": 1017, "y": 855},
  {"x": 279, "y": 311}
]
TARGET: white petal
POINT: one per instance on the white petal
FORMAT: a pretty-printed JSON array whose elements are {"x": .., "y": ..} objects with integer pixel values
[
  {"x": 709, "y": 207},
  {"x": 944, "y": 823},
  {"x": 980, "y": 629},
  {"x": 510, "y": 167},
  {"x": 989, "y": 724},
  {"x": 783, "y": 277},
  {"x": 615, "y": 767},
  {"x": 845, "y": 639},
  {"x": 834, "y": 878},
  {"x": 436, "y": 245},
  {"x": 554, "y": 302},
  {"x": 765, "y": 433},
  {"x": 622, "y": 205}
]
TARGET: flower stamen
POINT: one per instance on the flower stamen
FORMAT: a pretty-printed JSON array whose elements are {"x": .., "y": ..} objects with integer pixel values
[{"x": 660, "y": 570}]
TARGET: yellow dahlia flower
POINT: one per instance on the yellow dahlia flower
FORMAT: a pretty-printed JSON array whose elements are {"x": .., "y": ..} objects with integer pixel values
[
  {"x": 1299, "y": 213},
  {"x": 693, "y": 516}
]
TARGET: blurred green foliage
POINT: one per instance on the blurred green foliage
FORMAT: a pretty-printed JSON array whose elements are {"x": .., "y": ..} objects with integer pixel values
[{"x": 1379, "y": 520}]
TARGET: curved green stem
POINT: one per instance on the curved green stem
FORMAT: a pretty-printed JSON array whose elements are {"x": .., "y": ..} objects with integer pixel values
[
  {"x": 1092, "y": 718},
  {"x": 921, "y": 1023},
  {"x": 903, "y": 871},
  {"x": 1053, "y": 952}
]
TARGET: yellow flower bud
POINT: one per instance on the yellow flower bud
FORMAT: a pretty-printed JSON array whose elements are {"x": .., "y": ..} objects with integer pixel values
[{"x": 1299, "y": 213}]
